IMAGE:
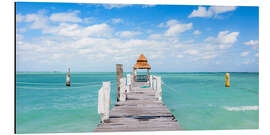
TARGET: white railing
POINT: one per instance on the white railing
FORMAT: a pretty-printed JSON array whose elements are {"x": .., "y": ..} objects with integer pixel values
[
  {"x": 151, "y": 81},
  {"x": 104, "y": 101},
  {"x": 123, "y": 89},
  {"x": 129, "y": 81},
  {"x": 157, "y": 87}
]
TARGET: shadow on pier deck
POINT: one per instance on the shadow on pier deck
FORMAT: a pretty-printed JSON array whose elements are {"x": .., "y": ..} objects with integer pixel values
[{"x": 140, "y": 112}]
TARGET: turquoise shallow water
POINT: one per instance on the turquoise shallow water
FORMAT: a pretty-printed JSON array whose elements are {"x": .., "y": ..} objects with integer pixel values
[{"x": 199, "y": 101}]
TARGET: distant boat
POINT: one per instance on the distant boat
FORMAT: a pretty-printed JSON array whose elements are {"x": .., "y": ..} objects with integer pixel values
[{"x": 68, "y": 78}]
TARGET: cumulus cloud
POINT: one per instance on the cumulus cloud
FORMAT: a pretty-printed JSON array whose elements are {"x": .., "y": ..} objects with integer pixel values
[
  {"x": 252, "y": 43},
  {"x": 67, "y": 41},
  {"x": 191, "y": 52},
  {"x": 39, "y": 20},
  {"x": 175, "y": 28},
  {"x": 225, "y": 39},
  {"x": 197, "y": 32},
  {"x": 74, "y": 30},
  {"x": 19, "y": 18},
  {"x": 117, "y": 20},
  {"x": 66, "y": 17},
  {"x": 179, "y": 56},
  {"x": 155, "y": 36},
  {"x": 128, "y": 34},
  {"x": 111, "y": 6},
  {"x": 244, "y": 53},
  {"x": 212, "y": 11}
]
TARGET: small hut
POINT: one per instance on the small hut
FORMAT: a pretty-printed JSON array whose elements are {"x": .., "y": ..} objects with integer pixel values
[{"x": 141, "y": 64}]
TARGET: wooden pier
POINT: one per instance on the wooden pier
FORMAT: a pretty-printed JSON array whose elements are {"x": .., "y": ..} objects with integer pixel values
[
  {"x": 139, "y": 104},
  {"x": 141, "y": 111}
]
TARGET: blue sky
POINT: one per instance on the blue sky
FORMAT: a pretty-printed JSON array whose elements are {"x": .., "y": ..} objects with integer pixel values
[{"x": 174, "y": 38}]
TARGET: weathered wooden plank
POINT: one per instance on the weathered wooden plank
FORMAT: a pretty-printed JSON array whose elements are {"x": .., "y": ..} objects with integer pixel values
[{"x": 140, "y": 112}]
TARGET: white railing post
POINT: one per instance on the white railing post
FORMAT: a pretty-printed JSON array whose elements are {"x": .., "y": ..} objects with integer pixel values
[
  {"x": 128, "y": 82},
  {"x": 159, "y": 88},
  {"x": 104, "y": 101},
  {"x": 123, "y": 89},
  {"x": 151, "y": 81},
  {"x": 154, "y": 83}
]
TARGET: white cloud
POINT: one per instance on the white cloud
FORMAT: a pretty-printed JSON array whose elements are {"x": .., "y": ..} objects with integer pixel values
[
  {"x": 209, "y": 56},
  {"x": 179, "y": 56},
  {"x": 39, "y": 20},
  {"x": 19, "y": 37},
  {"x": 74, "y": 30},
  {"x": 66, "y": 17},
  {"x": 111, "y": 6},
  {"x": 19, "y": 18},
  {"x": 212, "y": 11},
  {"x": 128, "y": 34},
  {"x": 221, "y": 9},
  {"x": 244, "y": 53},
  {"x": 201, "y": 12},
  {"x": 155, "y": 36},
  {"x": 175, "y": 28},
  {"x": 251, "y": 42},
  {"x": 98, "y": 30},
  {"x": 225, "y": 39},
  {"x": 148, "y": 5},
  {"x": 196, "y": 32},
  {"x": 117, "y": 20},
  {"x": 191, "y": 52},
  {"x": 69, "y": 30}
]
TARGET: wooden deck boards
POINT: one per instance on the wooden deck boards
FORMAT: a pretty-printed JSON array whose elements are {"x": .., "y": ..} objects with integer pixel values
[{"x": 140, "y": 112}]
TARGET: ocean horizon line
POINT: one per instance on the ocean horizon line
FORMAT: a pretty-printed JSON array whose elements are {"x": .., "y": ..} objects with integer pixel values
[{"x": 131, "y": 72}]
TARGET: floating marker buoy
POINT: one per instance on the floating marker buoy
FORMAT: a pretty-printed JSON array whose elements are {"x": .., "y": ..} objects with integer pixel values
[
  {"x": 227, "y": 78},
  {"x": 68, "y": 78}
]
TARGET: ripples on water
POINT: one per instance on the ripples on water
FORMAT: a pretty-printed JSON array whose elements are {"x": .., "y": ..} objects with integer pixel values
[{"x": 198, "y": 100}]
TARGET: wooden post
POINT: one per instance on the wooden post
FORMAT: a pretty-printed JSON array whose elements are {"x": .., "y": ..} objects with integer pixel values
[
  {"x": 104, "y": 101},
  {"x": 119, "y": 72},
  {"x": 123, "y": 89},
  {"x": 68, "y": 78}
]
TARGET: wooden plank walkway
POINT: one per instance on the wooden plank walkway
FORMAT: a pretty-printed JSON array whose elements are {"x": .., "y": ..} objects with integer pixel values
[{"x": 140, "y": 112}]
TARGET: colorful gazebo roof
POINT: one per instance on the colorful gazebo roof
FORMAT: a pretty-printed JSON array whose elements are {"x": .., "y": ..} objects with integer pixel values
[{"x": 142, "y": 63}]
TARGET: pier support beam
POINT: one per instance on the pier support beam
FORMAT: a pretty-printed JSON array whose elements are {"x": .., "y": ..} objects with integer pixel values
[{"x": 119, "y": 72}]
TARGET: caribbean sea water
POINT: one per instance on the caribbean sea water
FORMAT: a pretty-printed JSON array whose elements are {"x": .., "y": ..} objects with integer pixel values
[{"x": 199, "y": 101}]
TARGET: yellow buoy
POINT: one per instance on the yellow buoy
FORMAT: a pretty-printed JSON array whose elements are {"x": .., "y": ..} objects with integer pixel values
[{"x": 227, "y": 78}]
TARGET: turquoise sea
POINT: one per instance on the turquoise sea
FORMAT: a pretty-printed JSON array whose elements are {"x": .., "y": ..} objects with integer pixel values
[{"x": 199, "y": 101}]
